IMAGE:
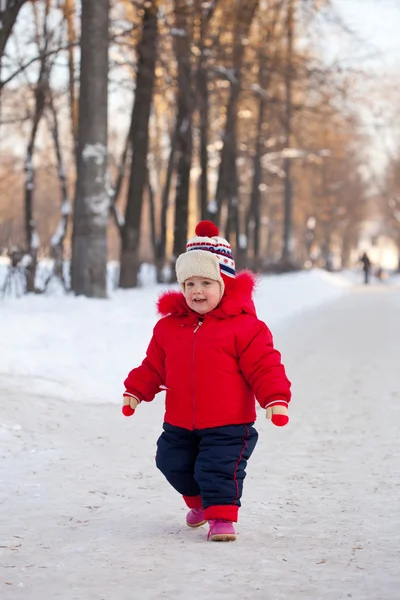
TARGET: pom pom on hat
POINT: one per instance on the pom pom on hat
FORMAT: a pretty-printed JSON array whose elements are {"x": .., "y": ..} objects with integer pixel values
[
  {"x": 206, "y": 229},
  {"x": 207, "y": 255}
]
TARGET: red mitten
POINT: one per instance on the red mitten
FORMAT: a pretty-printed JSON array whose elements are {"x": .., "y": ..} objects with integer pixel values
[
  {"x": 129, "y": 405},
  {"x": 278, "y": 413}
]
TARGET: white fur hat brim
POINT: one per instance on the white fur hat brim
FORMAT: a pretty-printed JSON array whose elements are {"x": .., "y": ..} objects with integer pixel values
[{"x": 200, "y": 263}]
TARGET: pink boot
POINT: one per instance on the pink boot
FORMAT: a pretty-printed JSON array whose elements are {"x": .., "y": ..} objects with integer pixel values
[
  {"x": 221, "y": 531},
  {"x": 195, "y": 517}
]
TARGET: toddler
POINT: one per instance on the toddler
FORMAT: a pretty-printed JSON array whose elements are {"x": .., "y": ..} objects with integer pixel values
[{"x": 213, "y": 356}]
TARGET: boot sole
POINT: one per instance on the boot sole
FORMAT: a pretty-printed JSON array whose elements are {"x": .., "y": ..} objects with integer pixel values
[
  {"x": 223, "y": 537},
  {"x": 195, "y": 525}
]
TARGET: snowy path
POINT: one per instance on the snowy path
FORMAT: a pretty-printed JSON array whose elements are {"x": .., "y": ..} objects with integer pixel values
[{"x": 85, "y": 515}]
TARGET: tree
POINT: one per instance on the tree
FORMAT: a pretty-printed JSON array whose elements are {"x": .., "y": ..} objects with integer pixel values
[
  {"x": 139, "y": 140},
  {"x": 206, "y": 12},
  {"x": 227, "y": 179},
  {"x": 69, "y": 14},
  {"x": 286, "y": 252},
  {"x": 91, "y": 210},
  {"x": 228, "y": 104},
  {"x": 9, "y": 10},
  {"x": 32, "y": 239},
  {"x": 390, "y": 209},
  {"x": 183, "y": 35}
]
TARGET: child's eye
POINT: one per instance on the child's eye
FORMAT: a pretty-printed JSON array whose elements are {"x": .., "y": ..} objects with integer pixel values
[
  {"x": 206, "y": 282},
  {"x": 189, "y": 284}
]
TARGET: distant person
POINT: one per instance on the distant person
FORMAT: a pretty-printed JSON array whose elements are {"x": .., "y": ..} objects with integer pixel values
[
  {"x": 366, "y": 267},
  {"x": 213, "y": 356}
]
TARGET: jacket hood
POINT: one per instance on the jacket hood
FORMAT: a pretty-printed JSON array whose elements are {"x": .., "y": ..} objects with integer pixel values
[{"x": 238, "y": 298}]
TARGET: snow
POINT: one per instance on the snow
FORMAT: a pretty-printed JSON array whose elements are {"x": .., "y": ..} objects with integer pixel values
[
  {"x": 230, "y": 74},
  {"x": 98, "y": 204},
  {"x": 59, "y": 234},
  {"x": 212, "y": 207},
  {"x": 178, "y": 32},
  {"x": 65, "y": 208},
  {"x": 97, "y": 151},
  {"x": 258, "y": 90},
  {"x": 85, "y": 514},
  {"x": 35, "y": 240},
  {"x": 65, "y": 340}
]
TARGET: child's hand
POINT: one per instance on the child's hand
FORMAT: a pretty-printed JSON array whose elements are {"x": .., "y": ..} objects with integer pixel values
[
  {"x": 278, "y": 413},
  {"x": 129, "y": 405}
]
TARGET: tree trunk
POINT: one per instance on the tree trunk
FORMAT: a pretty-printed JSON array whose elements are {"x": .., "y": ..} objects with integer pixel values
[
  {"x": 152, "y": 205},
  {"x": 347, "y": 244},
  {"x": 32, "y": 238},
  {"x": 254, "y": 215},
  {"x": 115, "y": 192},
  {"x": 228, "y": 153},
  {"x": 162, "y": 242},
  {"x": 253, "y": 219},
  {"x": 232, "y": 218},
  {"x": 147, "y": 50},
  {"x": 69, "y": 16},
  {"x": 89, "y": 245},
  {"x": 9, "y": 10},
  {"x": 287, "y": 164},
  {"x": 203, "y": 101},
  {"x": 227, "y": 170},
  {"x": 57, "y": 240},
  {"x": 183, "y": 125},
  {"x": 202, "y": 96}
]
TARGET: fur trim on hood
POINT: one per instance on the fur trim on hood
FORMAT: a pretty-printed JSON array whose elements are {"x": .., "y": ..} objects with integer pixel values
[{"x": 238, "y": 298}]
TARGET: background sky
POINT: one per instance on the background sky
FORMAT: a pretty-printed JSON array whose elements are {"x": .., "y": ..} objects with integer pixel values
[
  {"x": 371, "y": 43},
  {"x": 377, "y": 24}
]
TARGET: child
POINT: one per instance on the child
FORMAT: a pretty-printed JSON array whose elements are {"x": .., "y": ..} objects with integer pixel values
[{"x": 213, "y": 356}]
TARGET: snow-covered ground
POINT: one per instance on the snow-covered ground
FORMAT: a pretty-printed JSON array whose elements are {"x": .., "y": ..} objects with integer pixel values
[
  {"x": 81, "y": 350},
  {"x": 85, "y": 514}
]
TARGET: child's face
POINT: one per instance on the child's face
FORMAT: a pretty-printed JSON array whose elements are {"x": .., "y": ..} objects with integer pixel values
[{"x": 202, "y": 295}]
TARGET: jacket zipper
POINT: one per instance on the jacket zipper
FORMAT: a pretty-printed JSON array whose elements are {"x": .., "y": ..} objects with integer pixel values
[
  {"x": 198, "y": 325},
  {"x": 200, "y": 322}
]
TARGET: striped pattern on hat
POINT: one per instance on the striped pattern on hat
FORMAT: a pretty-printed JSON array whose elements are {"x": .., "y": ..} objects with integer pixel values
[{"x": 208, "y": 240}]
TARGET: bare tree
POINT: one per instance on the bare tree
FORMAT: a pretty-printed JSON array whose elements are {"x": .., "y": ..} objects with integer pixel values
[
  {"x": 390, "y": 200},
  {"x": 286, "y": 251},
  {"x": 89, "y": 244},
  {"x": 160, "y": 250},
  {"x": 227, "y": 178},
  {"x": 266, "y": 59},
  {"x": 229, "y": 103},
  {"x": 32, "y": 238},
  {"x": 69, "y": 14},
  {"x": 183, "y": 35},
  {"x": 9, "y": 10},
  {"x": 139, "y": 140},
  {"x": 40, "y": 96},
  {"x": 57, "y": 240},
  {"x": 202, "y": 96}
]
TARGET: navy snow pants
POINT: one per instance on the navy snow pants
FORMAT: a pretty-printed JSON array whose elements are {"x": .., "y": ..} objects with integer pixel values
[{"x": 208, "y": 464}]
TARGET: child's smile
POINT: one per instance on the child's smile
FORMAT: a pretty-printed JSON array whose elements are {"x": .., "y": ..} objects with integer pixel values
[{"x": 202, "y": 295}]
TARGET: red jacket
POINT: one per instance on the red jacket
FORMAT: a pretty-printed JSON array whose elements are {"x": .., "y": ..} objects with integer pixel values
[{"x": 212, "y": 366}]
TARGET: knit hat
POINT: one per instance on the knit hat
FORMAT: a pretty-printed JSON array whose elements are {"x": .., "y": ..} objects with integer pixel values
[{"x": 207, "y": 255}]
